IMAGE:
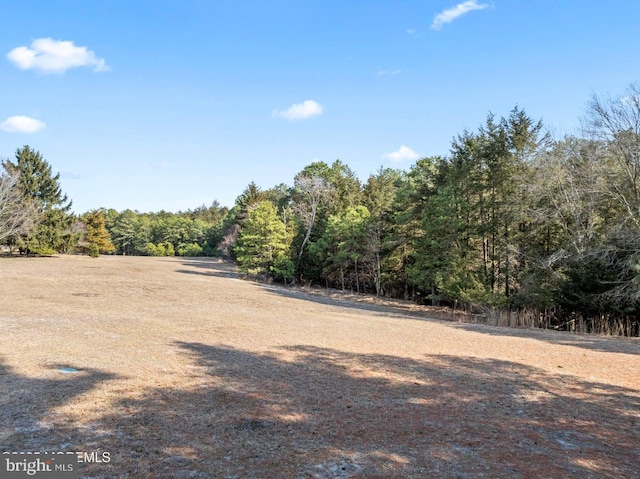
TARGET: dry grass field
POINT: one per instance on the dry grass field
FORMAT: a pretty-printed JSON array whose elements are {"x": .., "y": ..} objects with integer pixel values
[{"x": 181, "y": 369}]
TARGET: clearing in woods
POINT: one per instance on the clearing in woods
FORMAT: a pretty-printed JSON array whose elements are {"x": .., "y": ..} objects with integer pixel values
[{"x": 179, "y": 369}]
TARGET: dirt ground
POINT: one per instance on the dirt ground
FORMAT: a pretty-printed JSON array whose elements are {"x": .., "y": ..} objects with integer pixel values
[{"x": 178, "y": 368}]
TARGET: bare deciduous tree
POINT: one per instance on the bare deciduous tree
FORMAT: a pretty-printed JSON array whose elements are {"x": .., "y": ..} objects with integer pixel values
[
  {"x": 616, "y": 122},
  {"x": 311, "y": 191},
  {"x": 569, "y": 183},
  {"x": 17, "y": 215}
]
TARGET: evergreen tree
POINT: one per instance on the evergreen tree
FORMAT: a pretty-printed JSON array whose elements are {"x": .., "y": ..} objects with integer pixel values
[
  {"x": 251, "y": 196},
  {"x": 264, "y": 245},
  {"x": 37, "y": 180},
  {"x": 41, "y": 187},
  {"x": 130, "y": 233},
  {"x": 379, "y": 197},
  {"x": 344, "y": 246},
  {"x": 97, "y": 236}
]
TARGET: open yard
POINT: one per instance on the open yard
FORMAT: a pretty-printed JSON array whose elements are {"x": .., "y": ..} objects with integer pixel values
[{"x": 177, "y": 368}]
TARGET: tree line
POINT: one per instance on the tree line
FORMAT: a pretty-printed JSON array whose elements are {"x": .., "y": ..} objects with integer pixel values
[
  {"x": 35, "y": 218},
  {"x": 512, "y": 224}
]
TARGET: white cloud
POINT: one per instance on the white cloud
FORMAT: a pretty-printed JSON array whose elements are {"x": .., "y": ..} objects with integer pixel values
[
  {"x": 388, "y": 72},
  {"x": 21, "y": 124},
  {"x": 404, "y": 153},
  {"x": 449, "y": 15},
  {"x": 54, "y": 56},
  {"x": 300, "y": 111}
]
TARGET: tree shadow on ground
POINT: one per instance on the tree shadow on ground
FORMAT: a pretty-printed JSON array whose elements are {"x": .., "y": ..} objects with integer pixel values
[
  {"x": 580, "y": 340},
  {"x": 28, "y": 421},
  {"x": 210, "y": 267},
  {"x": 214, "y": 267},
  {"x": 323, "y": 298},
  {"x": 564, "y": 338},
  {"x": 223, "y": 269},
  {"x": 309, "y": 412}
]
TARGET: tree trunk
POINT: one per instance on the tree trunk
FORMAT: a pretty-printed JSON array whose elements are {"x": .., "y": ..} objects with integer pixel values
[
  {"x": 355, "y": 262},
  {"x": 406, "y": 284},
  {"x": 506, "y": 263},
  {"x": 378, "y": 279},
  {"x": 305, "y": 240}
]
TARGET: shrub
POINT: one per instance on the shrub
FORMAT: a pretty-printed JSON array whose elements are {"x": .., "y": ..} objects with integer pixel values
[
  {"x": 43, "y": 250},
  {"x": 151, "y": 249},
  {"x": 193, "y": 249},
  {"x": 94, "y": 250}
]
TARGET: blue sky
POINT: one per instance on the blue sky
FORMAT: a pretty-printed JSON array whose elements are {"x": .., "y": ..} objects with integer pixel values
[{"x": 157, "y": 104}]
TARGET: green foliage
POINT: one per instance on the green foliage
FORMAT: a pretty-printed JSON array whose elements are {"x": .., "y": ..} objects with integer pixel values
[
  {"x": 192, "y": 249},
  {"x": 344, "y": 247},
  {"x": 53, "y": 233},
  {"x": 155, "y": 250},
  {"x": 160, "y": 249},
  {"x": 130, "y": 233},
  {"x": 41, "y": 189},
  {"x": 35, "y": 248},
  {"x": 250, "y": 197},
  {"x": 97, "y": 236},
  {"x": 264, "y": 244},
  {"x": 37, "y": 180},
  {"x": 94, "y": 250},
  {"x": 283, "y": 267},
  {"x": 179, "y": 231},
  {"x": 508, "y": 220},
  {"x": 164, "y": 234},
  {"x": 311, "y": 200},
  {"x": 152, "y": 250},
  {"x": 213, "y": 214},
  {"x": 438, "y": 247}
]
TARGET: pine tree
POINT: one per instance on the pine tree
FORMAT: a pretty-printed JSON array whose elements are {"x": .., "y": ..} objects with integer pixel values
[
  {"x": 37, "y": 180},
  {"x": 379, "y": 196},
  {"x": 343, "y": 246},
  {"x": 264, "y": 245},
  {"x": 41, "y": 187},
  {"x": 97, "y": 236},
  {"x": 130, "y": 232}
]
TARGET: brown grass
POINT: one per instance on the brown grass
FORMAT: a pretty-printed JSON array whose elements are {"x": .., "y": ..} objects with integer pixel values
[{"x": 185, "y": 370}]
